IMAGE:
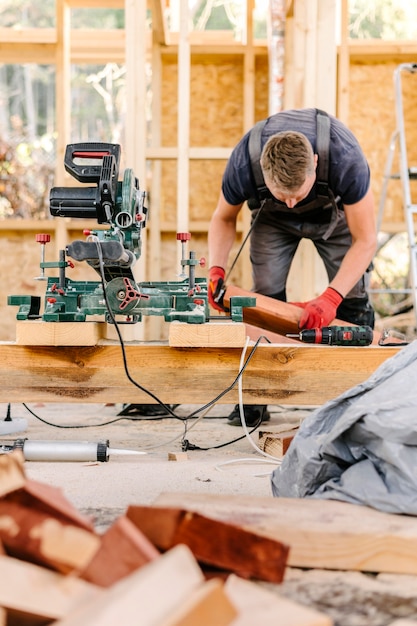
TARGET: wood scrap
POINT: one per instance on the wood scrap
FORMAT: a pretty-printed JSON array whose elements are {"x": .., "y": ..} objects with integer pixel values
[
  {"x": 259, "y": 606},
  {"x": 37, "y": 537},
  {"x": 275, "y": 440},
  {"x": 123, "y": 549},
  {"x": 177, "y": 456},
  {"x": 36, "y": 591},
  {"x": 12, "y": 475},
  {"x": 244, "y": 552},
  {"x": 38, "y": 524},
  {"x": 48, "y": 499},
  {"x": 321, "y": 533},
  {"x": 147, "y": 597},
  {"x": 208, "y": 605}
]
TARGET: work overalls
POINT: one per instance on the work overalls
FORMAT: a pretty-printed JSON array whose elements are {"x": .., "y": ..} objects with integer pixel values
[{"x": 276, "y": 233}]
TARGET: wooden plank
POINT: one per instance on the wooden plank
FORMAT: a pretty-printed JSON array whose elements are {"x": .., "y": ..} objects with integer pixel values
[
  {"x": 321, "y": 533},
  {"x": 325, "y": 72},
  {"x": 170, "y": 152},
  {"x": 210, "y": 335},
  {"x": 123, "y": 549},
  {"x": 50, "y": 500},
  {"x": 160, "y": 31},
  {"x": 96, "y": 4},
  {"x": 208, "y": 605},
  {"x": 361, "y": 51},
  {"x": 39, "y": 524},
  {"x": 276, "y": 374},
  {"x": 26, "y": 52},
  {"x": 248, "y": 554},
  {"x": 37, "y": 591},
  {"x": 260, "y": 606},
  {"x": 39, "y": 333},
  {"x": 148, "y": 596},
  {"x": 183, "y": 122},
  {"x": 35, "y": 536},
  {"x": 343, "y": 67},
  {"x": 62, "y": 87}
]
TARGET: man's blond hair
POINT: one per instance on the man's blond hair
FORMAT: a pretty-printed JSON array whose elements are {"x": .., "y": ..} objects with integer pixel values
[{"x": 287, "y": 159}]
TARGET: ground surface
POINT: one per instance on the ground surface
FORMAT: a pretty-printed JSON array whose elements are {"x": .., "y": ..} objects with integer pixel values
[{"x": 104, "y": 490}]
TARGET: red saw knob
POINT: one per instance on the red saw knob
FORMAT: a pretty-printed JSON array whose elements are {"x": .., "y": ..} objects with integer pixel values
[
  {"x": 183, "y": 236},
  {"x": 43, "y": 238}
]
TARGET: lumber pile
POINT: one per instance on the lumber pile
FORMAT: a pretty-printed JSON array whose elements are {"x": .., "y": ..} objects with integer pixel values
[{"x": 159, "y": 566}]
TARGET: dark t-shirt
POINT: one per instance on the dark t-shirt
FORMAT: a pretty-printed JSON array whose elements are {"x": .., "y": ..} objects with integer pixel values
[{"x": 349, "y": 175}]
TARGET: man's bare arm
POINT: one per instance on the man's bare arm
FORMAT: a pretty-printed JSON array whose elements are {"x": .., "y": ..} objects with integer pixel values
[
  {"x": 222, "y": 232},
  {"x": 360, "y": 218}
]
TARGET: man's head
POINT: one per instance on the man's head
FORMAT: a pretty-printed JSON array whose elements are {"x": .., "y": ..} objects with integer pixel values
[{"x": 289, "y": 166}]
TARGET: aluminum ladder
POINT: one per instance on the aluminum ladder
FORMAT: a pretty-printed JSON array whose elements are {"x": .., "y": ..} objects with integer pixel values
[{"x": 406, "y": 174}]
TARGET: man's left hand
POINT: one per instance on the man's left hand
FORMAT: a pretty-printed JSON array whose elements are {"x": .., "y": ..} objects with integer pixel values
[{"x": 320, "y": 311}]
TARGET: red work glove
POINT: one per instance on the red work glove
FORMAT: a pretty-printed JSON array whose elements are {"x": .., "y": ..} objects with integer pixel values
[
  {"x": 320, "y": 311},
  {"x": 216, "y": 287}
]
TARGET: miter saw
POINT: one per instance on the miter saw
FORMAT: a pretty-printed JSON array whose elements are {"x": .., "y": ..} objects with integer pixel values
[{"x": 112, "y": 253}]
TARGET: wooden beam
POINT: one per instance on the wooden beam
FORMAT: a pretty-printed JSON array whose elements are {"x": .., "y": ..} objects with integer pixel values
[
  {"x": 276, "y": 374},
  {"x": 378, "y": 50},
  {"x": 321, "y": 533},
  {"x": 164, "y": 152},
  {"x": 27, "y": 53},
  {"x": 183, "y": 123},
  {"x": 343, "y": 66},
  {"x": 159, "y": 24},
  {"x": 95, "y": 46},
  {"x": 248, "y": 116},
  {"x": 96, "y": 4}
]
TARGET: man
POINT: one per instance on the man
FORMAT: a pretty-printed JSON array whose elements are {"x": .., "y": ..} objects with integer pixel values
[{"x": 303, "y": 175}]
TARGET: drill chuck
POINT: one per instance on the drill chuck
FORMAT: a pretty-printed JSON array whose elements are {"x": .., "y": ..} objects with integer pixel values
[{"x": 338, "y": 335}]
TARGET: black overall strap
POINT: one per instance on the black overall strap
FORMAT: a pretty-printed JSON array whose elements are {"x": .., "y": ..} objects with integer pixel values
[
  {"x": 322, "y": 146},
  {"x": 254, "y": 147}
]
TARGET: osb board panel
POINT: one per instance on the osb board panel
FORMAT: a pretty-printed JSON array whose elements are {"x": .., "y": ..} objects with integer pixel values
[
  {"x": 21, "y": 256},
  {"x": 216, "y": 120},
  {"x": 372, "y": 118},
  {"x": 19, "y": 266},
  {"x": 204, "y": 180},
  {"x": 216, "y": 101}
]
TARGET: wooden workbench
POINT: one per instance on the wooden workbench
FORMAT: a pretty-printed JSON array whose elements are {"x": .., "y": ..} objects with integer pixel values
[{"x": 293, "y": 374}]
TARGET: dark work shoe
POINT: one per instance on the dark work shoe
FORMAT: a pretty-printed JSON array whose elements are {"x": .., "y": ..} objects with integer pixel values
[
  {"x": 146, "y": 410},
  {"x": 254, "y": 414}
]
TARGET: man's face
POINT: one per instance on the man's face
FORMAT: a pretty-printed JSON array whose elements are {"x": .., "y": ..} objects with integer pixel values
[{"x": 291, "y": 198}]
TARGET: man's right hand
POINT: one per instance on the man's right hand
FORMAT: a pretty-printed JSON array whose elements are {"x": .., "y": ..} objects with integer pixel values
[{"x": 216, "y": 287}]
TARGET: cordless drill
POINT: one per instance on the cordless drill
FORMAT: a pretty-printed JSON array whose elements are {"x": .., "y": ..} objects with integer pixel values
[{"x": 337, "y": 335}]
